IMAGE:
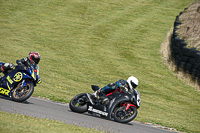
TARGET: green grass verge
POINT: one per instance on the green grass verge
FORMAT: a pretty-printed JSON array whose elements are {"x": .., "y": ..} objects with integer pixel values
[
  {"x": 98, "y": 42},
  {"x": 24, "y": 124}
]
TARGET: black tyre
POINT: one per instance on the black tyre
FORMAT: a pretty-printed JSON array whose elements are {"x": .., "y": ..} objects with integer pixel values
[
  {"x": 79, "y": 103},
  {"x": 21, "y": 94},
  {"x": 124, "y": 116}
]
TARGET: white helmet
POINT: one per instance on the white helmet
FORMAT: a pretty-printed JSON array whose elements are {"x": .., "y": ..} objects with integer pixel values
[{"x": 132, "y": 82}]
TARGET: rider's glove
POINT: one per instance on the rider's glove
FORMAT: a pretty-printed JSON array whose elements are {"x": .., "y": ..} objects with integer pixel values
[
  {"x": 124, "y": 89},
  {"x": 39, "y": 80}
]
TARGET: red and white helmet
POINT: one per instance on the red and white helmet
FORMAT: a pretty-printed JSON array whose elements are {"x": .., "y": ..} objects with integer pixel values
[
  {"x": 34, "y": 57},
  {"x": 132, "y": 82}
]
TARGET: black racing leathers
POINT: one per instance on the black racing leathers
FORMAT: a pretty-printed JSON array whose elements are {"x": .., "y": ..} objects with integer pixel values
[
  {"x": 25, "y": 62},
  {"x": 114, "y": 86}
]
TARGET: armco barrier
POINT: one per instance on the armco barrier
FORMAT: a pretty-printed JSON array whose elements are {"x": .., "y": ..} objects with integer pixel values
[{"x": 186, "y": 59}]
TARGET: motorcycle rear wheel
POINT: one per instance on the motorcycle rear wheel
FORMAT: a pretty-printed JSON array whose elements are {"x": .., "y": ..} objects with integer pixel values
[
  {"x": 20, "y": 95},
  {"x": 78, "y": 103},
  {"x": 124, "y": 116}
]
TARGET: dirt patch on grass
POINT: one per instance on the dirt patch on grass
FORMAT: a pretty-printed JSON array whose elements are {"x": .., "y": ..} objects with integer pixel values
[{"x": 189, "y": 30}]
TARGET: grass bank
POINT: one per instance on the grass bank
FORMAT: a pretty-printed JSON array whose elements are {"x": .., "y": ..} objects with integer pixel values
[
  {"x": 98, "y": 42},
  {"x": 24, "y": 124}
]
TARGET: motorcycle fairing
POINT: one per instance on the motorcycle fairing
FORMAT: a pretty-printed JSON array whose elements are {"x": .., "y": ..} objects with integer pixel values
[
  {"x": 107, "y": 111},
  {"x": 99, "y": 109},
  {"x": 15, "y": 76},
  {"x": 117, "y": 101},
  {"x": 136, "y": 96},
  {"x": 4, "y": 91}
]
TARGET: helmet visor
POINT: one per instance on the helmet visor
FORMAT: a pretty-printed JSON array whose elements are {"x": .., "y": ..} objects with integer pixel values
[
  {"x": 133, "y": 85},
  {"x": 36, "y": 60}
]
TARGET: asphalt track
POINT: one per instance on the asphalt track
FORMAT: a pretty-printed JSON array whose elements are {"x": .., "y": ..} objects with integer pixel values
[{"x": 41, "y": 108}]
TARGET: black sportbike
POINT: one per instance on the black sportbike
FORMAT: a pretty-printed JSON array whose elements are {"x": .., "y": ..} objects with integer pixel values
[{"x": 122, "y": 105}]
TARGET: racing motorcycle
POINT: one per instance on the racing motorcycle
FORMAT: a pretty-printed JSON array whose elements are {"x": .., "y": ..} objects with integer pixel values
[
  {"x": 122, "y": 105},
  {"x": 19, "y": 83}
]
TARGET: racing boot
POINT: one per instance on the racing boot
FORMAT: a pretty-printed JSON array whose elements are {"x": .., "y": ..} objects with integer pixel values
[
  {"x": 99, "y": 95},
  {"x": 95, "y": 95}
]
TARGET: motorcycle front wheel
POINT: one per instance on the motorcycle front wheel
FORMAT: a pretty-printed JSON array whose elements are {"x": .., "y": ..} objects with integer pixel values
[
  {"x": 21, "y": 94},
  {"x": 79, "y": 103},
  {"x": 124, "y": 116}
]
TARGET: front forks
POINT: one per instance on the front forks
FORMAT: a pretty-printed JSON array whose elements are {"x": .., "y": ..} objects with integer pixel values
[
  {"x": 127, "y": 105},
  {"x": 19, "y": 90}
]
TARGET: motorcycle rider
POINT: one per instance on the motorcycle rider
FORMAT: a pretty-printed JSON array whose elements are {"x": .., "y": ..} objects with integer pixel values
[
  {"x": 129, "y": 84},
  {"x": 33, "y": 58}
]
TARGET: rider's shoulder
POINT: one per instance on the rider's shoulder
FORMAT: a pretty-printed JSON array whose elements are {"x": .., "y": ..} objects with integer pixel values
[
  {"x": 122, "y": 81},
  {"x": 23, "y": 59},
  {"x": 111, "y": 84}
]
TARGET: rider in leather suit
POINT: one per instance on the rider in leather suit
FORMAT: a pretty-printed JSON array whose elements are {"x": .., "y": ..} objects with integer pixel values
[{"x": 131, "y": 83}]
